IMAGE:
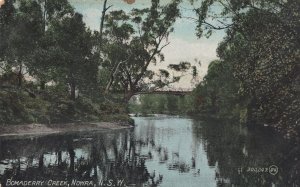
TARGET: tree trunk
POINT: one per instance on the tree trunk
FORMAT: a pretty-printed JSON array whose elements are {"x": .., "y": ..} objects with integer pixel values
[
  {"x": 112, "y": 77},
  {"x": 102, "y": 21},
  {"x": 43, "y": 85},
  {"x": 20, "y": 76},
  {"x": 73, "y": 91},
  {"x": 128, "y": 95}
]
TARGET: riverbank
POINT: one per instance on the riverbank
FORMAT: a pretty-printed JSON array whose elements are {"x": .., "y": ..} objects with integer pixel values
[
  {"x": 51, "y": 107},
  {"x": 43, "y": 129}
]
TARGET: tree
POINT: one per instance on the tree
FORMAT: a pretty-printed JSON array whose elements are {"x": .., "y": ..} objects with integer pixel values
[
  {"x": 18, "y": 49},
  {"x": 42, "y": 67},
  {"x": 30, "y": 54},
  {"x": 138, "y": 37},
  {"x": 6, "y": 23},
  {"x": 219, "y": 91},
  {"x": 73, "y": 45},
  {"x": 262, "y": 47},
  {"x": 48, "y": 40}
]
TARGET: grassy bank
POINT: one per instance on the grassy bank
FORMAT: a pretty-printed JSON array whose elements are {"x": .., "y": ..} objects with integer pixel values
[{"x": 23, "y": 107}]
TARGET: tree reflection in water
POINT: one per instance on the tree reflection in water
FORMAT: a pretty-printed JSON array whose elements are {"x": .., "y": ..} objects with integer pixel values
[
  {"x": 158, "y": 152},
  {"x": 97, "y": 158},
  {"x": 237, "y": 152}
]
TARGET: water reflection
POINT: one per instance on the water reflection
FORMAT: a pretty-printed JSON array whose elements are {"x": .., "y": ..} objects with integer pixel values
[
  {"x": 164, "y": 152},
  {"x": 85, "y": 157},
  {"x": 243, "y": 158}
]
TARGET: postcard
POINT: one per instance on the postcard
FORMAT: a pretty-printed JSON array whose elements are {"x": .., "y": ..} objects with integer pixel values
[{"x": 157, "y": 93}]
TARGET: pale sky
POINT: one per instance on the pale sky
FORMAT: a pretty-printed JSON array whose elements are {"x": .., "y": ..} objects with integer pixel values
[{"x": 184, "y": 46}]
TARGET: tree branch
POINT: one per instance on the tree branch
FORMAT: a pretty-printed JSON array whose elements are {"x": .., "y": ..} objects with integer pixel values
[
  {"x": 102, "y": 21},
  {"x": 156, "y": 50},
  {"x": 216, "y": 27}
]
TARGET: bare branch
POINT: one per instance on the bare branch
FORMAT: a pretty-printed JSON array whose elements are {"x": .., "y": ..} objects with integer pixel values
[
  {"x": 216, "y": 27},
  {"x": 163, "y": 47},
  {"x": 190, "y": 18},
  {"x": 108, "y": 7}
]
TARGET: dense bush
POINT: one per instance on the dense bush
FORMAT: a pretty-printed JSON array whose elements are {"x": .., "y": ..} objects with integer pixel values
[
  {"x": 18, "y": 107},
  {"x": 257, "y": 78}
]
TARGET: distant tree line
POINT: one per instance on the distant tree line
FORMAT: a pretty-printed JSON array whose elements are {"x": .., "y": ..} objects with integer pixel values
[{"x": 161, "y": 104}]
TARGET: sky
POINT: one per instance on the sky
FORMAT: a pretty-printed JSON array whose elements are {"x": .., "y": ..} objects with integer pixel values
[{"x": 184, "y": 45}]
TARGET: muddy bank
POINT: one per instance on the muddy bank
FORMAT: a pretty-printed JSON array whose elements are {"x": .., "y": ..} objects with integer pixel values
[{"x": 42, "y": 129}]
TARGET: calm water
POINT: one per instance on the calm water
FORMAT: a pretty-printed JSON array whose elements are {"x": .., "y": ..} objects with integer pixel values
[{"x": 159, "y": 151}]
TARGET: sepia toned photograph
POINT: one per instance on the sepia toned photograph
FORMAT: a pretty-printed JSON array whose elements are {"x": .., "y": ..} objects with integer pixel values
[{"x": 149, "y": 93}]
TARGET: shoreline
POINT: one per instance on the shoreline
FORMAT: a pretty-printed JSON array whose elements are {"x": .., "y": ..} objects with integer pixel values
[{"x": 43, "y": 129}]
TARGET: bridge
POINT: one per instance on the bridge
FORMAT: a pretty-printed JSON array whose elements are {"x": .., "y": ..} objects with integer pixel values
[{"x": 166, "y": 92}]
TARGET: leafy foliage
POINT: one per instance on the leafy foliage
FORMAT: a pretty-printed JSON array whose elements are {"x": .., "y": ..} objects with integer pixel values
[
  {"x": 218, "y": 93},
  {"x": 261, "y": 50},
  {"x": 161, "y": 104},
  {"x": 133, "y": 42},
  {"x": 48, "y": 64}
]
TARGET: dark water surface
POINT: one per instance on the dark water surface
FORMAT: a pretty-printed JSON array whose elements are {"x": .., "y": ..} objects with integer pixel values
[{"x": 159, "y": 151}]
